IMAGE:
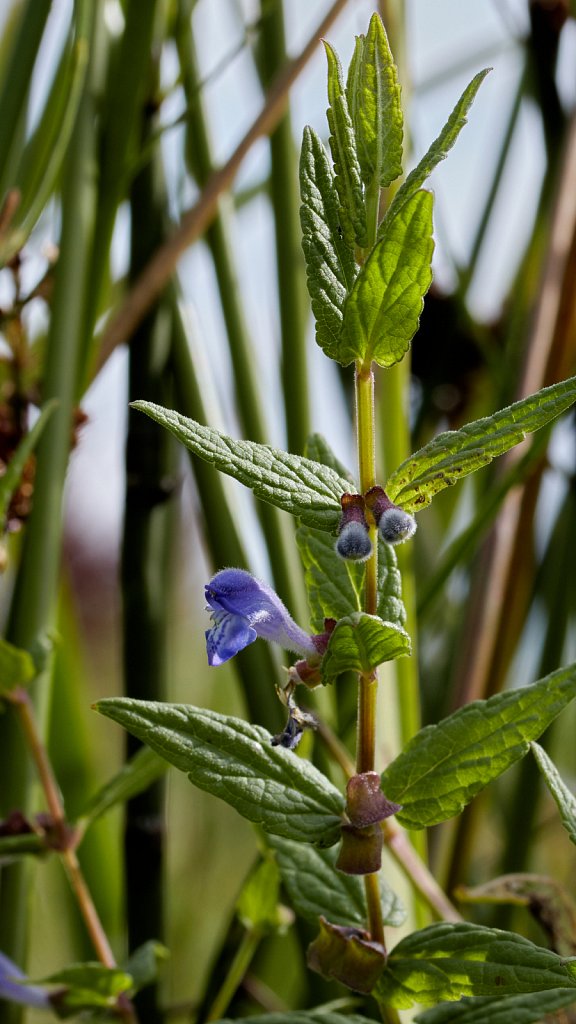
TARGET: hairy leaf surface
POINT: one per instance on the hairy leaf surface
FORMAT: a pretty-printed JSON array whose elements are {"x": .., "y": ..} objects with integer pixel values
[
  {"x": 524, "y": 1009},
  {"x": 235, "y": 761},
  {"x": 330, "y": 266},
  {"x": 439, "y": 149},
  {"x": 304, "y": 488},
  {"x": 348, "y": 177},
  {"x": 315, "y": 887},
  {"x": 448, "y": 961},
  {"x": 373, "y": 94},
  {"x": 444, "y": 766},
  {"x": 383, "y": 309},
  {"x": 360, "y": 643},
  {"x": 454, "y": 454}
]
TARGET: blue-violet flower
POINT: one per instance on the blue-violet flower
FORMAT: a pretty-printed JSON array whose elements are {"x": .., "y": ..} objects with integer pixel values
[
  {"x": 11, "y": 988},
  {"x": 244, "y": 608}
]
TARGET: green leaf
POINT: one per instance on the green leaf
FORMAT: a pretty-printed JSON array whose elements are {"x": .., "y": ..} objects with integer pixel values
[
  {"x": 390, "y": 605},
  {"x": 144, "y": 963},
  {"x": 330, "y": 266},
  {"x": 236, "y": 761},
  {"x": 524, "y": 1009},
  {"x": 17, "y": 667},
  {"x": 334, "y": 587},
  {"x": 444, "y": 766},
  {"x": 454, "y": 454},
  {"x": 257, "y": 905},
  {"x": 439, "y": 149},
  {"x": 448, "y": 961},
  {"x": 348, "y": 177},
  {"x": 373, "y": 94},
  {"x": 87, "y": 986},
  {"x": 333, "y": 590},
  {"x": 144, "y": 768},
  {"x": 10, "y": 480},
  {"x": 319, "y": 1016},
  {"x": 317, "y": 889},
  {"x": 359, "y": 643},
  {"x": 547, "y": 901},
  {"x": 382, "y": 311},
  {"x": 565, "y": 799},
  {"x": 304, "y": 488}
]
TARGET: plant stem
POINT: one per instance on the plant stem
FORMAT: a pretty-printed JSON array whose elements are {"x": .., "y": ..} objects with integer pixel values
[
  {"x": 368, "y": 684},
  {"x": 238, "y": 968},
  {"x": 23, "y": 705}
]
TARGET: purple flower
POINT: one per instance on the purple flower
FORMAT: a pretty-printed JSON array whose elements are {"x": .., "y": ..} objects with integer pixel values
[
  {"x": 11, "y": 988},
  {"x": 244, "y": 608}
]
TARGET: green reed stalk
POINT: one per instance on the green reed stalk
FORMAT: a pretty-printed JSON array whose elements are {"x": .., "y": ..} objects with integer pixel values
[
  {"x": 34, "y": 602},
  {"x": 256, "y": 665},
  {"x": 15, "y": 87},
  {"x": 276, "y": 527},
  {"x": 292, "y": 297}
]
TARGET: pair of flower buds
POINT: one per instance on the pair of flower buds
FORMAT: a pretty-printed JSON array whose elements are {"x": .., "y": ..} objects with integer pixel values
[{"x": 394, "y": 525}]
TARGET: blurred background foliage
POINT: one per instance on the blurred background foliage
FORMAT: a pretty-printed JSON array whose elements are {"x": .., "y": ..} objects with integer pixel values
[{"x": 150, "y": 246}]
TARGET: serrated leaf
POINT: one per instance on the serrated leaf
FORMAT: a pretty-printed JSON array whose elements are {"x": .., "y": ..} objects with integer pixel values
[
  {"x": 348, "y": 177},
  {"x": 373, "y": 94},
  {"x": 454, "y": 454},
  {"x": 17, "y": 667},
  {"x": 144, "y": 768},
  {"x": 448, "y": 961},
  {"x": 444, "y": 766},
  {"x": 359, "y": 643},
  {"x": 439, "y": 149},
  {"x": 236, "y": 761},
  {"x": 390, "y": 605},
  {"x": 525, "y": 1009},
  {"x": 334, "y": 587},
  {"x": 329, "y": 258},
  {"x": 383, "y": 309},
  {"x": 10, "y": 479},
  {"x": 317, "y": 889},
  {"x": 547, "y": 901},
  {"x": 301, "y": 487},
  {"x": 564, "y": 798},
  {"x": 333, "y": 591}
]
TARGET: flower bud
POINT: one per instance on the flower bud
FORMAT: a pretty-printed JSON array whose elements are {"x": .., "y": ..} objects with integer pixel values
[
  {"x": 394, "y": 524},
  {"x": 353, "y": 542}
]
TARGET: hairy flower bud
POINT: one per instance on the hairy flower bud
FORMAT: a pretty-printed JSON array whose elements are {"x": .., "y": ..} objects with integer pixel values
[
  {"x": 394, "y": 524},
  {"x": 353, "y": 542}
]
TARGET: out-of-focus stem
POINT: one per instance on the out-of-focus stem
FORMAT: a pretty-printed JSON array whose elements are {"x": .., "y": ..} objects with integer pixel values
[
  {"x": 23, "y": 705},
  {"x": 240, "y": 964}
]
